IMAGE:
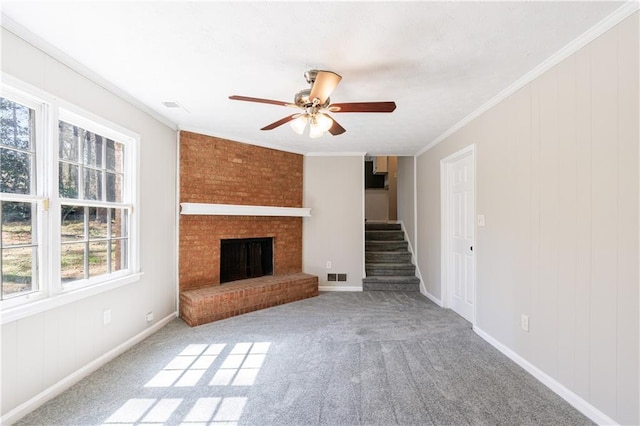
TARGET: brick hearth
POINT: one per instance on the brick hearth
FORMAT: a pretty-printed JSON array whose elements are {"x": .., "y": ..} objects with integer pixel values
[{"x": 214, "y": 303}]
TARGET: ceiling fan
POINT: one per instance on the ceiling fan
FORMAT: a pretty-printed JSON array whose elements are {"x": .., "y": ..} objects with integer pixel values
[{"x": 315, "y": 105}]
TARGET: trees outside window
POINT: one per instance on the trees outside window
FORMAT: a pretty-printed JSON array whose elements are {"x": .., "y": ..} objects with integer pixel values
[{"x": 18, "y": 208}]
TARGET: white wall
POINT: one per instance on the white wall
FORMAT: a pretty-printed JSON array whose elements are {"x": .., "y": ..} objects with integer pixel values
[
  {"x": 43, "y": 349},
  {"x": 406, "y": 184},
  {"x": 333, "y": 189},
  {"x": 557, "y": 178}
]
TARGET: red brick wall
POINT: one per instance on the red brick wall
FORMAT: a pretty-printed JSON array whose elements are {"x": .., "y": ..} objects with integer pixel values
[{"x": 220, "y": 171}]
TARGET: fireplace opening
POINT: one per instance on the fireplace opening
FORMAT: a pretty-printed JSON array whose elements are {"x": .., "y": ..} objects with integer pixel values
[{"x": 245, "y": 258}]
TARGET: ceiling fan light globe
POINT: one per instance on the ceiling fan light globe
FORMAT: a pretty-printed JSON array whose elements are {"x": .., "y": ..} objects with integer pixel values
[
  {"x": 299, "y": 124},
  {"x": 324, "y": 122},
  {"x": 315, "y": 131}
]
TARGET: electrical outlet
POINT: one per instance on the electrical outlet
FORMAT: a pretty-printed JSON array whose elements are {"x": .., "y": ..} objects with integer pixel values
[
  {"x": 149, "y": 316},
  {"x": 328, "y": 264},
  {"x": 106, "y": 317},
  {"x": 524, "y": 322}
]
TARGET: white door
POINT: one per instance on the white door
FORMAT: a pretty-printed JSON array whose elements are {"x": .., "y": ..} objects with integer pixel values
[{"x": 461, "y": 265}]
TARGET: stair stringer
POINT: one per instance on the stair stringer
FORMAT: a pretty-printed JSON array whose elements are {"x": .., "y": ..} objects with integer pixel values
[{"x": 414, "y": 260}]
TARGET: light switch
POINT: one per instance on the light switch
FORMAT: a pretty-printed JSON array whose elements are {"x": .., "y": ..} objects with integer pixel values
[{"x": 480, "y": 220}]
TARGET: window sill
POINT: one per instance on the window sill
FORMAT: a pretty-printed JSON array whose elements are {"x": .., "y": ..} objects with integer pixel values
[{"x": 46, "y": 303}]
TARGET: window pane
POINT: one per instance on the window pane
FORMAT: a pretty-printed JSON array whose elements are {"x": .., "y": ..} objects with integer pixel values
[
  {"x": 17, "y": 223},
  {"x": 98, "y": 223},
  {"x": 92, "y": 184},
  {"x": 115, "y": 156},
  {"x": 16, "y": 125},
  {"x": 92, "y": 148},
  {"x": 68, "y": 181},
  {"x": 72, "y": 223},
  {"x": 97, "y": 258},
  {"x": 119, "y": 223},
  {"x": 15, "y": 171},
  {"x": 72, "y": 261},
  {"x": 119, "y": 255},
  {"x": 18, "y": 268},
  {"x": 114, "y": 187},
  {"x": 68, "y": 142}
]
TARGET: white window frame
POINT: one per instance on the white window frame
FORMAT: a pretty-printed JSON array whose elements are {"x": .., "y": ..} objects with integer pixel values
[
  {"x": 51, "y": 292},
  {"x": 38, "y": 195}
]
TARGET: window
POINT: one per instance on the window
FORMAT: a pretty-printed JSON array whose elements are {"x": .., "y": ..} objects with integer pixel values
[
  {"x": 18, "y": 209},
  {"x": 93, "y": 221},
  {"x": 68, "y": 191}
]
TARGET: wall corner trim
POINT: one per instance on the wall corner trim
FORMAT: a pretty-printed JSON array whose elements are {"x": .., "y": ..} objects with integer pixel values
[
  {"x": 54, "y": 390},
  {"x": 242, "y": 210},
  {"x": 572, "y": 47},
  {"x": 576, "y": 401}
]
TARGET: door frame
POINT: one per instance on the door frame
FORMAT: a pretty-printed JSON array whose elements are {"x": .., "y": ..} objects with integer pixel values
[{"x": 445, "y": 222}]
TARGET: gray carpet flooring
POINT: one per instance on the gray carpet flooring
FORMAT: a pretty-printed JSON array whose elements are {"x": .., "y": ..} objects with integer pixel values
[{"x": 370, "y": 358}]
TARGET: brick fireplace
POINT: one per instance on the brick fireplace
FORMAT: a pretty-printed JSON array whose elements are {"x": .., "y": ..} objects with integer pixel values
[{"x": 219, "y": 171}]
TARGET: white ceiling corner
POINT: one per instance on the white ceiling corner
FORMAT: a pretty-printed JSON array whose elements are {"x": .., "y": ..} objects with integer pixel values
[{"x": 439, "y": 61}]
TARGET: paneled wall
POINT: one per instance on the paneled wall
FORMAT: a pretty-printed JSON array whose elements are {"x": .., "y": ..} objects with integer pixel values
[{"x": 558, "y": 183}]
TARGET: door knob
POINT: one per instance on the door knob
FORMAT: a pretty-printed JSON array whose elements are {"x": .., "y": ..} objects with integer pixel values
[{"x": 471, "y": 248}]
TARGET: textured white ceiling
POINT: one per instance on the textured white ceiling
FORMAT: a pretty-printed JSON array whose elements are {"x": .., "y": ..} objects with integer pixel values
[{"x": 439, "y": 61}]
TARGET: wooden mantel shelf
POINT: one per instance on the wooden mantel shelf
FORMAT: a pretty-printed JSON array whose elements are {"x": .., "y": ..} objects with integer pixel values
[{"x": 242, "y": 210}]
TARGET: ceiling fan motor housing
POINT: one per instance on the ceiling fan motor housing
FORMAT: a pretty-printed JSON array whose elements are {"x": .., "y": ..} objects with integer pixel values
[
  {"x": 310, "y": 76},
  {"x": 302, "y": 100}
]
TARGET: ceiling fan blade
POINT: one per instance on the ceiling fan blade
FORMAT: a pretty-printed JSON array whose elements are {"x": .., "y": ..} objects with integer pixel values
[
  {"x": 280, "y": 122},
  {"x": 363, "y": 107},
  {"x": 336, "y": 129},
  {"x": 260, "y": 100},
  {"x": 326, "y": 82}
]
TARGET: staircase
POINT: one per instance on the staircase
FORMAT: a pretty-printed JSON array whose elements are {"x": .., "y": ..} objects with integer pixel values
[{"x": 387, "y": 259}]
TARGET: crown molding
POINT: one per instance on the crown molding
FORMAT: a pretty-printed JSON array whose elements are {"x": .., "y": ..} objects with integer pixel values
[
  {"x": 335, "y": 154},
  {"x": 587, "y": 37},
  {"x": 57, "y": 54}
]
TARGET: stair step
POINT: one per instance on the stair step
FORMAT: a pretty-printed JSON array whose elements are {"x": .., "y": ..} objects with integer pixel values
[
  {"x": 384, "y": 235},
  {"x": 386, "y": 246},
  {"x": 391, "y": 269},
  {"x": 382, "y": 227},
  {"x": 391, "y": 284},
  {"x": 387, "y": 257}
]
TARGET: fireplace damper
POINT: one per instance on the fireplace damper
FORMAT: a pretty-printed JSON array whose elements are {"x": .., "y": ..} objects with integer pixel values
[{"x": 245, "y": 258}]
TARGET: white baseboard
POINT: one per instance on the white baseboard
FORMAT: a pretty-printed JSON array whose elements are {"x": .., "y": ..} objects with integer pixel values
[
  {"x": 431, "y": 297},
  {"x": 576, "y": 401},
  {"x": 339, "y": 288},
  {"x": 64, "y": 384}
]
